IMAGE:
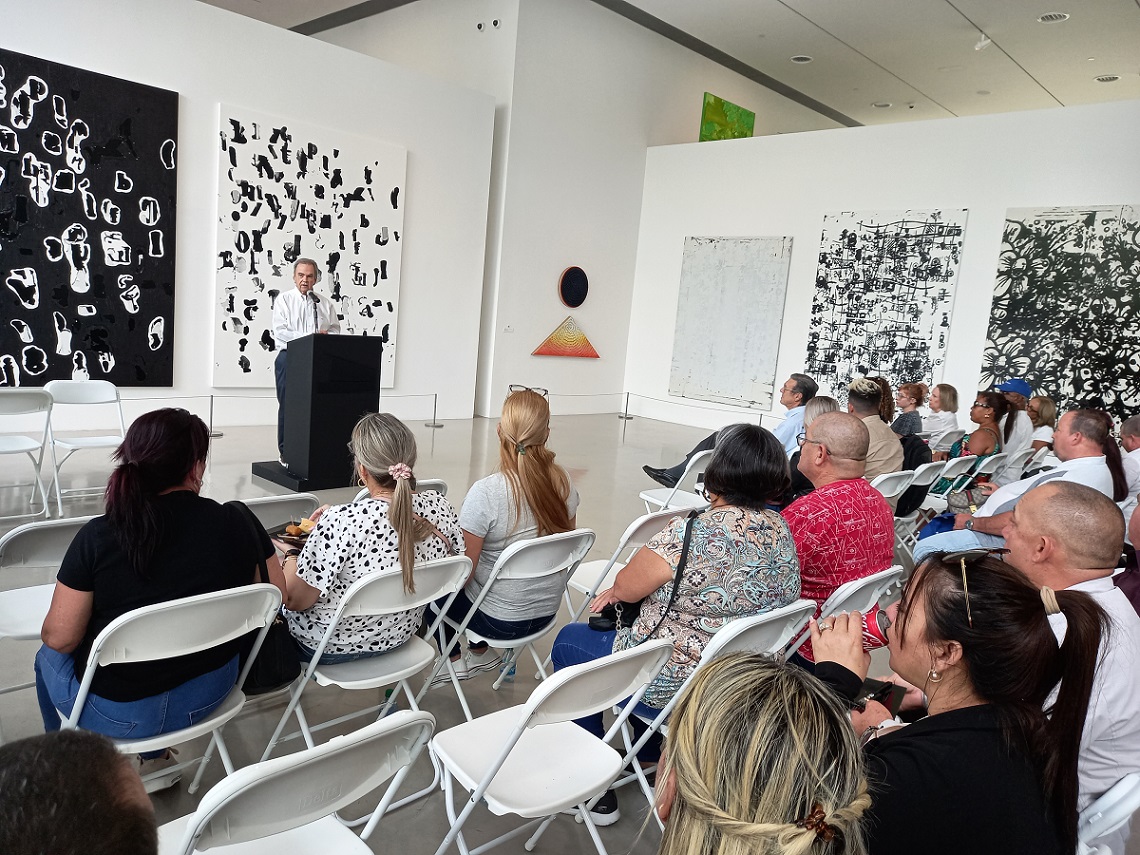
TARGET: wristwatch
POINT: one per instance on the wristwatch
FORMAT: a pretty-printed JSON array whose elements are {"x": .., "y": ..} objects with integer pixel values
[{"x": 969, "y": 525}]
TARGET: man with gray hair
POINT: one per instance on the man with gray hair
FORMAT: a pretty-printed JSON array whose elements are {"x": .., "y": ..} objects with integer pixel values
[
  {"x": 1068, "y": 536},
  {"x": 297, "y": 312}
]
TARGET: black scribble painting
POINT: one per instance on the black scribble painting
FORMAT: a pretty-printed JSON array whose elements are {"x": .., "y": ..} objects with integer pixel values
[
  {"x": 87, "y": 204},
  {"x": 1066, "y": 309},
  {"x": 287, "y": 190},
  {"x": 884, "y": 290}
]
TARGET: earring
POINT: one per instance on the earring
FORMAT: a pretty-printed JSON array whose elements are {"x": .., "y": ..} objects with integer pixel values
[{"x": 934, "y": 676}]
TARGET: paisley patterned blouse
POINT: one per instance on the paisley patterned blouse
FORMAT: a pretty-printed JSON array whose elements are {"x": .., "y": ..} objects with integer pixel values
[{"x": 741, "y": 562}]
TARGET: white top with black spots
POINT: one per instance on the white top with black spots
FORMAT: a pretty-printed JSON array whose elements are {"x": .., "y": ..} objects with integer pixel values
[{"x": 350, "y": 541}]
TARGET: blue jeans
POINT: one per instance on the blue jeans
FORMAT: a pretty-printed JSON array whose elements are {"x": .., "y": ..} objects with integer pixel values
[
  {"x": 955, "y": 541},
  {"x": 279, "y": 365},
  {"x": 182, "y": 706},
  {"x": 577, "y": 643},
  {"x": 483, "y": 625}
]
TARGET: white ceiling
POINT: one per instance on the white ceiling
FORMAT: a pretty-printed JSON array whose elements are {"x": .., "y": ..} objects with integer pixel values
[{"x": 918, "y": 56}]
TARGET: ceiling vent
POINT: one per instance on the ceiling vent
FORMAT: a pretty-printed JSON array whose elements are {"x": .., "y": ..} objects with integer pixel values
[
  {"x": 882, "y": 105},
  {"x": 1107, "y": 78},
  {"x": 802, "y": 60},
  {"x": 1053, "y": 18}
]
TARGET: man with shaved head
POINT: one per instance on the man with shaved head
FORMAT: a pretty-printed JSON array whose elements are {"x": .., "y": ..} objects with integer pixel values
[
  {"x": 1065, "y": 535},
  {"x": 844, "y": 529}
]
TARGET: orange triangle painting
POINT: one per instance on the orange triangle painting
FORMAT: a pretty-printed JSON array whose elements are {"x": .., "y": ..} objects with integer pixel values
[{"x": 567, "y": 340}]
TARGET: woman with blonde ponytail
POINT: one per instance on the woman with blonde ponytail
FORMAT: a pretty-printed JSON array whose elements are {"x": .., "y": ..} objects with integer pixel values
[
  {"x": 760, "y": 760},
  {"x": 393, "y": 527},
  {"x": 530, "y": 496}
]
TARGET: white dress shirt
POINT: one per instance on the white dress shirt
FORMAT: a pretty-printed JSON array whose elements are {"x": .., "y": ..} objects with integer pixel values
[
  {"x": 1021, "y": 438},
  {"x": 293, "y": 317},
  {"x": 789, "y": 430},
  {"x": 1131, "y": 462},
  {"x": 938, "y": 425},
  {"x": 1090, "y": 471}
]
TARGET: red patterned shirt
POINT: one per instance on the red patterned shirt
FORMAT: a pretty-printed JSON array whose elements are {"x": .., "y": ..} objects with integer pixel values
[{"x": 843, "y": 531}]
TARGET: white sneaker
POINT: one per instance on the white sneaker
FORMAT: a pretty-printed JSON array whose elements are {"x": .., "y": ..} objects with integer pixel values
[
  {"x": 462, "y": 672},
  {"x": 486, "y": 660},
  {"x": 157, "y": 764}
]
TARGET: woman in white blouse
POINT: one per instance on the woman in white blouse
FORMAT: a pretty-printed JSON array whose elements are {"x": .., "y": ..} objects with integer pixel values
[
  {"x": 943, "y": 416},
  {"x": 1043, "y": 413},
  {"x": 393, "y": 527}
]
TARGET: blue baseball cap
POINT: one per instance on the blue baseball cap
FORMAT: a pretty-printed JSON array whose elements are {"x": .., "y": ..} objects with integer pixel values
[{"x": 1015, "y": 385}]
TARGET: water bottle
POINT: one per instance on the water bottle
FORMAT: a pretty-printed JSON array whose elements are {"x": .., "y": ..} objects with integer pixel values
[{"x": 508, "y": 672}]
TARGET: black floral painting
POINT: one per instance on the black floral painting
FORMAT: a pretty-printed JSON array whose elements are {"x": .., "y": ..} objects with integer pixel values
[{"x": 1066, "y": 309}]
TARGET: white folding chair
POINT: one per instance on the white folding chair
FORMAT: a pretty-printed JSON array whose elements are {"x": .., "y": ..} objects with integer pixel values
[
  {"x": 878, "y": 589},
  {"x": 1037, "y": 459},
  {"x": 767, "y": 633},
  {"x": 36, "y": 549},
  {"x": 1015, "y": 463},
  {"x": 85, "y": 393},
  {"x": 542, "y": 557},
  {"x": 275, "y": 511},
  {"x": 177, "y": 628},
  {"x": 286, "y": 806},
  {"x": 953, "y": 472},
  {"x": 683, "y": 496},
  {"x": 27, "y": 402},
  {"x": 987, "y": 466},
  {"x": 892, "y": 484},
  {"x": 423, "y": 485},
  {"x": 1107, "y": 814},
  {"x": 948, "y": 439},
  {"x": 906, "y": 527},
  {"x": 378, "y": 593},
  {"x": 532, "y": 761}
]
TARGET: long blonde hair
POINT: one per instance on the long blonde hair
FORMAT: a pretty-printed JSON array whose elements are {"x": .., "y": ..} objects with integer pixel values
[
  {"x": 755, "y": 746},
  {"x": 380, "y": 441},
  {"x": 528, "y": 464}
]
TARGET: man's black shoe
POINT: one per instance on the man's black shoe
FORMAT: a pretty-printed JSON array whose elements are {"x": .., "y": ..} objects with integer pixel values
[{"x": 661, "y": 476}]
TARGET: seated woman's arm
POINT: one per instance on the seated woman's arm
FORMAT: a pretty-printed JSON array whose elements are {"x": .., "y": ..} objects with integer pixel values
[
  {"x": 67, "y": 618},
  {"x": 472, "y": 548},
  {"x": 299, "y": 594},
  {"x": 645, "y": 573}
]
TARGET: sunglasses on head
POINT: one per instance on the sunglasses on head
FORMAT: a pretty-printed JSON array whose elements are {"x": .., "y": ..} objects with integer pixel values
[
  {"x": 514, "y": 387},
  {"x": 966, "y": 558}
]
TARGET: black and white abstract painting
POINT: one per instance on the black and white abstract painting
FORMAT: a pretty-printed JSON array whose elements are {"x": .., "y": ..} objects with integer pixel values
[
  {"x": 87, "y": 204},
  {"x": 730, "y": 309},
  {"x": 1066, "y": 309},
  {"x": 884, "y": 292},
  {"x": 287, "y": 190}
]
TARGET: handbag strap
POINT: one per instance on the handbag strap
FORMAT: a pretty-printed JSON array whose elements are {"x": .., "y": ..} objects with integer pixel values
[
  {"x": 693, "y": 514},
  {"x": 252, "y": 523}
]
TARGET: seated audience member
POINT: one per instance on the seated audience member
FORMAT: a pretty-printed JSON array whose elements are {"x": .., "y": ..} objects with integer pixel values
[
  {"x": 1042, "y": 413},
  {"x": 1017, "y": 426},
  {"x": 747, "y": 743},
  {"x": 943, "y": 416},
  {"x": 987, "y": 769},
  {"x": 159, "y": 540},
  {"x": 910, "y": 397},
  {"x": 886, "y": 400},
  {"x": 71, "y": 792},
  {"x": 394, "y": 527},
  {"x": 885, "y": 452},
  {"x": 800, "y": 485},
  {"x": 844, "y": 528},
  {"x": 1130, "y": 439},
  {"x": 530, "y": 496},
  {"x": 1089, "y": 455},
  {"x": 1069, "y": 537},
  {"x": 795, "y": 394},
  {"x": 741, "y": 561},
  {"x": 987, "y": 412}
]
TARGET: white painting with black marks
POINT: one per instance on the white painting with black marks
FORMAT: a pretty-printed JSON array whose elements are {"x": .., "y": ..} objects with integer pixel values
[
  {"x": 730, "y": 309},
  {"x": 1066, "y": 309},
  {"x": 884, "y": 292},
  {"x": 287, "y": 190}
]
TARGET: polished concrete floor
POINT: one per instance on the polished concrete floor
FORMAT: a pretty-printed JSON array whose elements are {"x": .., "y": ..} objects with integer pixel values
[{"x": 604, "y": 456}]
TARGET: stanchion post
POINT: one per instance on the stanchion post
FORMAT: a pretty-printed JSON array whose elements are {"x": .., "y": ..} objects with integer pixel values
[
  {"x": 434, "y": 423},
  {"x": 213, "y": 433},
  {"x": 624, "y": 415}
]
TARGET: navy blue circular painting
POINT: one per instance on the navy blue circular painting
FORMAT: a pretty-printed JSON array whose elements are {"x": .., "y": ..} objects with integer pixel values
[{"x": 573, "y": 287}]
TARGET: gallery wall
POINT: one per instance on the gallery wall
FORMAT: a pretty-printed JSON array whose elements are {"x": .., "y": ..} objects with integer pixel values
[
  {"x": 784, "y": 185},
  {"x": 210, "y": 56},
  {"x": 590, "y": 91}
]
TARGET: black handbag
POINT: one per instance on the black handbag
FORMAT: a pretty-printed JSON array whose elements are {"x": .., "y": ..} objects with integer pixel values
[{"x": 277, "y": 663}]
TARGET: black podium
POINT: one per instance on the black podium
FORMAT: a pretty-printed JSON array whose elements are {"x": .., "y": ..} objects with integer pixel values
[{"x": 331, "y": 381}]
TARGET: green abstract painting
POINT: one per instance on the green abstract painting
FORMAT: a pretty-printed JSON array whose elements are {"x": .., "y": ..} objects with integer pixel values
[{"x": 723, "y": 120}]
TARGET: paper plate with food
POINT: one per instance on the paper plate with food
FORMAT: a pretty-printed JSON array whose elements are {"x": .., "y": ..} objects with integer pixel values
[{"x": 295, "y": 534}]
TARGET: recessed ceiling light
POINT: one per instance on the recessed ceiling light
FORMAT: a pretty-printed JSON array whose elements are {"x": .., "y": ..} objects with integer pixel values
[
  {"x": 882, "y": 105},
  {"x": 1053, "y": 18},
  {"x": 983, "y": 91},
  {"x": 1107, "y": 78},
  {"x": 801, "y": 59}
]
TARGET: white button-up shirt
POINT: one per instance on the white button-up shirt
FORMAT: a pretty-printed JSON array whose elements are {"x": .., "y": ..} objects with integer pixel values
[{"x": 293, "y": 317}]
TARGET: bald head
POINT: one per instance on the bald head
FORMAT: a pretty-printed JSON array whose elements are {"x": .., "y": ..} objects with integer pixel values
[
  {"x": 1087, "y": 526},
  {"x": 1130, "y": 433}
]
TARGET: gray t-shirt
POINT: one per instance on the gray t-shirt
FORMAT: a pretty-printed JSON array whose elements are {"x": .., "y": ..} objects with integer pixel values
[{"x": 489, "y": 512}]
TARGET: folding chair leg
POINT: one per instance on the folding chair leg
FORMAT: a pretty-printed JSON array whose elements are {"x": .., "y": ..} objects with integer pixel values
[
  {"x": 197, "y": 782},
  {"x": 593, "y": 829},
  {"x": 532, "y": 841},
  {"x": 294, "y": 702},
  {"x": 510, "y": 659}
]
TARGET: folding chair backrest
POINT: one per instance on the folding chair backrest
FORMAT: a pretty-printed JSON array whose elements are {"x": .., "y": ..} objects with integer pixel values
[
  {"x": 991, "y": 464},
  {"x": 642, "y": 529},
  {"x": 83, "y": 391},
  {"x": 1111, "y": 811},
  {"x": 1037, "y": 458},
  {"x": 382, "y": 592},
  {"x": 543, "y": 556},
  {"x": 1015, "y": 463},
  {"x": 275, "y": 511},
  {"x": 294, "y": 790},
  {"x": 39, "y": 544},
  {"x": 949, "y": 438},
  {"x": 186, "y": 625},
  {"x": 591, "y": 687},
  {"x": 892, "y": 484},
  {"x": 764, "y": 633},
  {"x": 958, "y": 467},
  {"x": 927, "y": 473},
  {"x": 862, "y": 594},
  {"x": 687, "y": 483},
  {"x": 16, "y": 402}
]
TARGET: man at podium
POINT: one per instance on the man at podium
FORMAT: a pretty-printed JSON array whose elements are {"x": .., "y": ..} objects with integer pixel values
[{"x": 298, "y": 313}]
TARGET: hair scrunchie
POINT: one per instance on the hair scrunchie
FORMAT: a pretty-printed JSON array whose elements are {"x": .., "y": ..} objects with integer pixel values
[
  {"x": 520, "y": 448},
  {"x": 400, "y": 471},
  {"x": 1049, "y": 598}
]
